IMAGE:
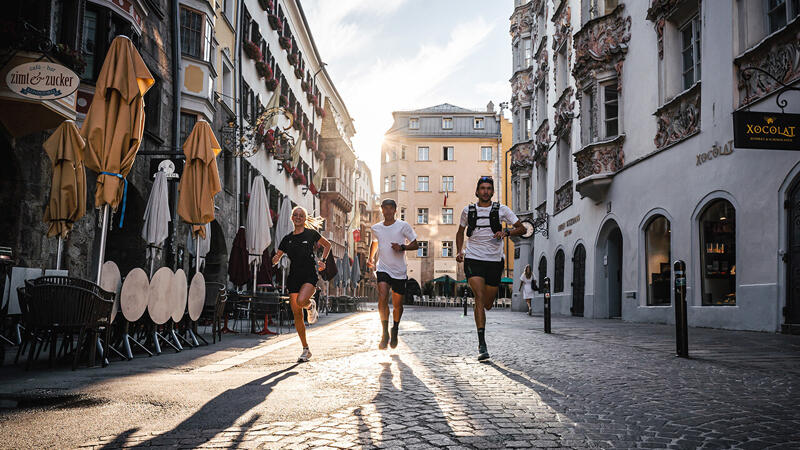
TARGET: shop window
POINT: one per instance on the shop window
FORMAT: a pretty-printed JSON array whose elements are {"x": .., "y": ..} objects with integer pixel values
[
  {"x": 657, "y": 235},
  {"x": 542, "y": 269},
  {"x": 718, "y": 254},
  {"x": 558, "y": 283}
]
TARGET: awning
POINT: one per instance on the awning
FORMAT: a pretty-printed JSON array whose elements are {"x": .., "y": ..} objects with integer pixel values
[{"x": 444, "y": 278}]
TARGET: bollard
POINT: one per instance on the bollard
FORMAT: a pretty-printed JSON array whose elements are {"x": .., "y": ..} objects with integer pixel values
[
  {"x": 681, "y": 324},
  {"x": 464, "y": 301},
  {"x": 546, "y": 289}
]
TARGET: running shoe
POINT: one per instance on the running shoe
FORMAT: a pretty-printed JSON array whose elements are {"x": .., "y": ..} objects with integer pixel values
[
  {"x": 393, "y": 342},
  {"x": 483, "y": 354},
  {"x": 384, "y": 342},
  {"x": 305, "y": 356},
  {"x": 313, "y": 314}
]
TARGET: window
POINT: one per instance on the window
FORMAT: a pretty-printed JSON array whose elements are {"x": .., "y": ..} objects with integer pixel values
[
  {"x": 564, "y": 166},
  {"x": 207, "y": 45},
  {"x": 152, "y": 108},
  {"x": 422, "y": 215},
  {"x": 402, "y": 182},
  {"x": 394, "y": 155},
  {"x": 718, "y": 254},
  {"x": 478, "y": 123},
  {"x": 690, "y": 51},
  {"x": 562, "y": 70},
  {"x": 100, "y": 26},
  {"x": 386, "y": 157},
  {"x": 422, "y": 250},
  {"x": 597, "y": 8},
  {"x": 588, "y": 111},
  {"x": 448, "y": 184},
  {"x": 447, "y": 123},
  {"x": 385, "y": 184},
  {"x": 527, "y": 131},
  {"x": 423, "y": 153},
  {"x": 403, "y": 152},
  {"x": 393, "y": 185},
  {"x": 515, "y": 195},
  {"x": 403, "y": 213},
  {"x": 448, "y": 153},
  {"x": 422, "y": 183},
  {"x": 89, "y": 43},
  {"x": 558, "y": 283},
  {"x": 781, "y": 12},
  {"x": 541, "y": 103},
  {"x": 191, "y": 32},
  {"x": 610, "y": 109},
  {"x": 413, "y": 123},
  {"x": 227, "y": 86},
  {"x": 541, "y": 184},
  {"x": 527, "y": 52},
  {"x": 447, "y": 216},
  {"x": 526, "y": 194},
  {"x": 657, "y": 261},
  {"x": 246, "y": 101},
  {"x": 486, "y": 153},
  {"x": 187, "y": 124},
  {"x": 447, "y": 249},
  {"x": 542, "y": 269}
]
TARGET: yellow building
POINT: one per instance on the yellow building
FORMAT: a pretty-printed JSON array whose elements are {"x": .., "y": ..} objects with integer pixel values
[{"x": 431, "y": 160}]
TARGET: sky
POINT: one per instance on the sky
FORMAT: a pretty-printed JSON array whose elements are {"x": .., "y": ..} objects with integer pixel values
[{"x": 390, "y": 55}]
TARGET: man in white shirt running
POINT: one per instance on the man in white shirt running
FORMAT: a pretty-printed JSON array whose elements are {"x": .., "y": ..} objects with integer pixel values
[
  {"x": 389, "y": 241},
  {"x": 483, "y": 259}
]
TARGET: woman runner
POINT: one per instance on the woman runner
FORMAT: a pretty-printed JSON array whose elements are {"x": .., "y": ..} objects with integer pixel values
[{"x": 302, "y": 282}]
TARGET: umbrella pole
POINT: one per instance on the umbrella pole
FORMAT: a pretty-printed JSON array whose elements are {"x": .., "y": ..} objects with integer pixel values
[
  {"x": 60, "y": 249},
  {"x": 103, "y": 236},
  {"x": 152, "y": 264},
  {"x": 197, "y": 254}
]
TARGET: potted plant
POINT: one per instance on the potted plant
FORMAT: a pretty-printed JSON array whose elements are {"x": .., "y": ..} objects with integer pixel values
[
  {"x": 252, "y": 51},
  {"x": 266, "y": 5},
  {"x": 298, "y": 72},
  {"x": 310, "y": 97},
  {"x": 274, "y": 22},
  {"x": 304, "y": 86},
  {"x": 263, "y": 70},
  {"x": 285, "y": 43},
  {"x": 271, "y": 84},
  {"x": 292, "y": 58}
]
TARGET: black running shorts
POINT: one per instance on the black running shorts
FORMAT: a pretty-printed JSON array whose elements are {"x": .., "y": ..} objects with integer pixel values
[
  {"x": 398, "y": 286},
  {"x": 490, "y": 271},
  {"x": 294, "y": 283}
]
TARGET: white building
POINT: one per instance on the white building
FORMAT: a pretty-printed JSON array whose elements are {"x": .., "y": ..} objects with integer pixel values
[{"x": 623, "y": 130}]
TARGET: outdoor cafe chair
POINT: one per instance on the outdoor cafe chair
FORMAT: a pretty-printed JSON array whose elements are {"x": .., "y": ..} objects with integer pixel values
[{"x": 213, "y": 308}]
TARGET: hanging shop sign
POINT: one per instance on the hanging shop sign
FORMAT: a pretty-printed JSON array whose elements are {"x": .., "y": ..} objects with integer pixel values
[
  {"x": 765, "y": 130},
  {"x": 172, "y": 167},
  {"x": 42, "y": 80}
]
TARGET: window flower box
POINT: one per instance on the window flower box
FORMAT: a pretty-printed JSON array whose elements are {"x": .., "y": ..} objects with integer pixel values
[
  {"x": 274, "y": 22},
  {"x": 285, "y": 43},
  {"x": 263, "y": 70},
  {"x": 271, "y": 84},
  {"x": 252, "y": 51}
]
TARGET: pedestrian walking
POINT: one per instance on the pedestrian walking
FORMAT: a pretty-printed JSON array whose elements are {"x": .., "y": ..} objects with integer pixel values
[
  {"x": 302, "y": 281},
  {"x": 391, "y": 240},
  {"x": 483, "y": 258},
  {"x": 527, "y": 284}
]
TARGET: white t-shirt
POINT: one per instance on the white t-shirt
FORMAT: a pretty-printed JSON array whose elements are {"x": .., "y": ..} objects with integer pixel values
[
  {"x": 527, "y": 286},
  {"x": 482, "y": 245},
  {"x": 390, "y": 261}
]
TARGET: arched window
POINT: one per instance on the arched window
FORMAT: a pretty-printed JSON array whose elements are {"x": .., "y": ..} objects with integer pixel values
[
  {"x": 542, "y": 269},
  {"x": 558, "y": 283},
  {"x": 718, "y": 253},
  {"x": 657, "y": 258}
]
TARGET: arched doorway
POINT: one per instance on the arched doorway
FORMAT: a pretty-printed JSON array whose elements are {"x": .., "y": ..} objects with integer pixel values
[
  {"x": 578, "y": 280},
  {"x": 792, "y": 314},
  {"x": 542, "y": 269},
  {"x": 125, "y": 246},
  {"x": 608, "y": 280}
]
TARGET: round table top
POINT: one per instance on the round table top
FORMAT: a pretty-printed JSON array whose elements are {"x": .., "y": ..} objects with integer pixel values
[
  {"x": 133, "y": 296},
  {"x": 197, "y": 296},
  {"x": 158, "y": 303},
  {"x": 110, "y": 281},
  {"x": 177, "y": 295}
]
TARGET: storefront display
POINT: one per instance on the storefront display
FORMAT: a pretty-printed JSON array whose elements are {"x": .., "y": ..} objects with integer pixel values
[{"x": 718, "y": 254}]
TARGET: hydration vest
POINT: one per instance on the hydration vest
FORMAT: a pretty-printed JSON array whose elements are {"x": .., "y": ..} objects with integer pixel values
[{"x": 494, "y": 219}]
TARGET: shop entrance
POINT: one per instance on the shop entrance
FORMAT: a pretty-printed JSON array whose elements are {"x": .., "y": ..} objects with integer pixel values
[
  {"x": 578, "y": 280},
  {"x": 793, "y": 256}
]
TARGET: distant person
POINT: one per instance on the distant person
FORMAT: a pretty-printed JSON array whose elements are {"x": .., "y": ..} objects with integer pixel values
[
  {"x": 390, "y": 240},
  {"x": 302, "y": 281},
  {"x": 527, "y": 284},
  {"x": 483, "y": 259}
]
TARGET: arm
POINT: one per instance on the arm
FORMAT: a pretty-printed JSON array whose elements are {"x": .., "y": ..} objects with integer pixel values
[
  {"x": 517, "y": 230},
  {"x": 277, "y": 257},
  {"x": 373, "y": 248},
  {"x": 326, "y": 249},
  {"x": 460, "y": 243}
]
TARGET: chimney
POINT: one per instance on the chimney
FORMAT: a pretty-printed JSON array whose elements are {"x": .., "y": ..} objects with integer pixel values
[{"x": 490, "y": 107}]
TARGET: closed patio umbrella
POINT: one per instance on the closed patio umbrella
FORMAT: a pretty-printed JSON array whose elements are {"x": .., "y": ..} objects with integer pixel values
[
  {"x": 237, "y": 263},
  {"x": 345, "y": 271},
  {"x": 355, "y": 273},
  {"x": 200, "y": 181},
  {"x": 156, "y": 218},
  {"x": 259, "y": 223},
  {"x": 113, "y": 128},
  {"x": 205, "y": 243},
  {"x": 67, "y": 201},
  {"x": 282, "y": 228}
]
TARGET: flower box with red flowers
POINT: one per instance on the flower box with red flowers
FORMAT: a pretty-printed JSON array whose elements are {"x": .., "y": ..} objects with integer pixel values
[
  {"x": 320, "y": 112},
  {"x": 313, "y": 189},
  {"x": 271, "y": 84},
  {"x": 287, "y": 168},
  {"x": 304, "y": 86},
  {"x": 252, "y": 51},
  {"x": 274, "y": 22},
  {"x": 293, "y": 58},
  {"x": 298, "y": 72},
  {"x": 284, "y": 100},
  {"x": 266, "y": 5},
  {"x": 263, "y": 70},
  {"x": 285, "y": 43},
  {"x": 297, "y": 176},
  {"x": 310, "y": 97}
]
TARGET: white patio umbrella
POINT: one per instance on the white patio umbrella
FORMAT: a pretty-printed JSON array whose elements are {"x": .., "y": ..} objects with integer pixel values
[
  {"x": 156, "y": 218},
  {"x": 284, "y": 227},
  {"x": 205, "y": 244},
  {"x": 258, "y": 225},
  {"x": 345, "y": 271}
]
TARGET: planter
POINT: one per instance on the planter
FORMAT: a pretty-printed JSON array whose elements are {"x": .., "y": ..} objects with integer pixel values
[
  {"x": 304, "y": 87},
  {"x": 263, "y": 70},
  {"x": 285, "y": 43},
  {"x": 298, "y": 72},
  {"x": 292, "y": 58},
  {"x": 284, "y": 100},
  {"x": 271, "y": 84},
  {"x": 266, "y": 5},
  {"x": 274, "y": 22},
  {"x": 252, "y": 51},
  {"x": 287, "y": 168},
  {"x": 310, "y": 96},
  {"x": 320, "y": 112}
]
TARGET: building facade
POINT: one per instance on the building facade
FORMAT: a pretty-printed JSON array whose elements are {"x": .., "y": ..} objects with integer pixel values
[
  {"x": 625, "y": 152},
  {"x": 431, "y": 159}
]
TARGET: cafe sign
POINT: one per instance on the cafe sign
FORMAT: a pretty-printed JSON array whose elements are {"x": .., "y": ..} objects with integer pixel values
[
  {"x": 42, "y": 80},
  {"x": 765, "y": 130}
]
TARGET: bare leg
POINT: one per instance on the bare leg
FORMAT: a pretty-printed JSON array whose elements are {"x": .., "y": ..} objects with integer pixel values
[
  {"x": 397, "y": 305},
  {"x": 528, "y": 301},
  {"x": 383, "y": 300},
  {"x": 477, "y": 285}
]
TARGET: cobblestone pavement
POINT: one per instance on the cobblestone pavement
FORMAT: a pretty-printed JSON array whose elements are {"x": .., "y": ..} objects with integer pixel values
[{"x": 590, "y": 384}]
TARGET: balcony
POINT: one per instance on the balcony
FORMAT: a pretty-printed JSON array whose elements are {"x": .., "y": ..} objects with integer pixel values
[
  {"x": 597, "y": 164},
  {"x": 337, "y": 192}
]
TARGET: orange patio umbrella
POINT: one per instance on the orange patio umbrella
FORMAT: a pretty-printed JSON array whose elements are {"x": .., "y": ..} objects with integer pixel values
[
  {"x": 67, "y": 201},
  {"x": 200, "y": 180},
  {"x": 113, "y": 127}
]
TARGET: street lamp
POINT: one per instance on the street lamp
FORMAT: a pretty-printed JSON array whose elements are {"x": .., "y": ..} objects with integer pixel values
[{"x": 313, "y": 117}]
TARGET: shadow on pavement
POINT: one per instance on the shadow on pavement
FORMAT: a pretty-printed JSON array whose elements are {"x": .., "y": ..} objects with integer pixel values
[{"x": 218, "y": 413}]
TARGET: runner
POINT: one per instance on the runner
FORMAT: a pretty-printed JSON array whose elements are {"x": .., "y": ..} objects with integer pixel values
[
  {"x": 302, "y": 281},
  {"x": 389, "y": 241},
  {"x": 483, "y": 260},
  {"x": 527, "y": 284}
]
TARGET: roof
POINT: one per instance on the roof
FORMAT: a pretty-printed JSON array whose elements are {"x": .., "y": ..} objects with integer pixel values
[{"x": 444, "y": 108}]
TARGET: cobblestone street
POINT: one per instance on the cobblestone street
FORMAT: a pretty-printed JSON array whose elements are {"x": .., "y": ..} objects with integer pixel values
[{"x": 590, "y": 384}]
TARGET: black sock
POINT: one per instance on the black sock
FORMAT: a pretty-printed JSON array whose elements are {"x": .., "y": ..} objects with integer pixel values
[
  {"x": 481, "y": 336},
  {"x": 396, "y": 324},
  {"x": 385, "y": 325}
]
